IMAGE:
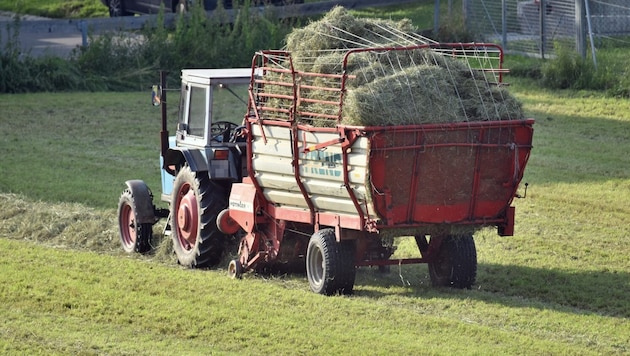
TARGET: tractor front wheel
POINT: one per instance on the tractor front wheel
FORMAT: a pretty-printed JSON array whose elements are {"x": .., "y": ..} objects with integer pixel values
[
  {"x": 134, "y": 236},
  {"x": 330, "y": 265},
  {"x": 196, "y": 202},
  {"x": 455, "y": 264}
]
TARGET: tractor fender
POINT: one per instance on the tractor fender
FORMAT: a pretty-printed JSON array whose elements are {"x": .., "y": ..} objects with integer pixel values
[
  {"x": 197, "y": 160},
  {"x": 177, "y": 156},
  {"x": 143, "y": 200}
]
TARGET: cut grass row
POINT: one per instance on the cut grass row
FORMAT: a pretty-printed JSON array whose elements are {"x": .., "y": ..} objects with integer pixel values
[
  {"x": 97, "y": 304},
  {"x": 420, "y": 12},
  {"x": 559, "y": 286}
]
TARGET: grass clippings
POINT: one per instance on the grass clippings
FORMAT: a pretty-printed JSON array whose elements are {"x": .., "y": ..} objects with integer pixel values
[{"x": 387, "y": 88}]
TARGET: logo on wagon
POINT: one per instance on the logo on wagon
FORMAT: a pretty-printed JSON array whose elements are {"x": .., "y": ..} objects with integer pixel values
[{"x": 322, "y": 163}]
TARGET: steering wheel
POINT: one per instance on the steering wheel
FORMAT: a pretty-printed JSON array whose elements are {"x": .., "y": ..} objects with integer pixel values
[{"x": 220, "y": 130}]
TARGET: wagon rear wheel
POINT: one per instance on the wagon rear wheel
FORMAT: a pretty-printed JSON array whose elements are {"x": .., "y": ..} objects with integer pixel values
[
  {"x": 330, "y": 265},
  {"x": 195, "y": 205},
  {"x": 455, "y": 264},
  {"x": 134, "y": 236}
]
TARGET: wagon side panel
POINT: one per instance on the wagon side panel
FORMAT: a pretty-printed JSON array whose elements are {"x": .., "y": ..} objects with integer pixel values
[
  {"x": 321, "y": 172},
  {"x": 448, "y": 174}
]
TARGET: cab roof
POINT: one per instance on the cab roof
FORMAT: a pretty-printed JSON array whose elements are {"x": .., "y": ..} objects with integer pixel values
[{"x": 217, "y": 76}]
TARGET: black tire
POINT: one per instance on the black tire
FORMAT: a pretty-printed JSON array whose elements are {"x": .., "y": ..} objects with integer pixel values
[
  {"x": 235, "y": 269},
  {"x": 347, "y": 271},
  {"x": 195, "y": 204},
  {"x": 134, "y": 237},
  {"x": 455, "y": 264},
  {"x": 330, "y": 265},
  {"x": 117, "y": 8}
]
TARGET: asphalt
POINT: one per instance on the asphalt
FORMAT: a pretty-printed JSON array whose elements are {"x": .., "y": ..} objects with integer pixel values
[{"x": 40, "y": 36}]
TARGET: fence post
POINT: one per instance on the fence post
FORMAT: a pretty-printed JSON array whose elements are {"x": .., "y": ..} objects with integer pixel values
[
  {"x": 541, "y": 13},
  {"x": 580, "y": 28},
  {"x": 590, "y": 32},
  {"x": 84, "y": 33},
  {"x": 465, "y": 10},
  {"x": 436, "y": 18},
  {"x": 504, "y": 24}
]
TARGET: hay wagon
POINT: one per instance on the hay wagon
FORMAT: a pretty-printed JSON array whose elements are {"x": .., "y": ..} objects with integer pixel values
[{"x": 330, "y": 184}]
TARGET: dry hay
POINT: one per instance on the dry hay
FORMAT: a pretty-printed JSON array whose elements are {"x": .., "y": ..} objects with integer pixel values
[
  {"x": 69, "y": 226},
  {"x": 339, "y": 29},
  {"x": 63, "y": 225},
  {"x": 392, "y": 87},
  {"x": 427, "y": 94}
]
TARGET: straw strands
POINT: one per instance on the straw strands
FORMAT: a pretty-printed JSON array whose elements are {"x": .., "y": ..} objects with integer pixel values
[{"x": 393, "y": 87}]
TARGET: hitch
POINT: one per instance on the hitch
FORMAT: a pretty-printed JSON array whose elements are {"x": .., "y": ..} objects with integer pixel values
[{"x": 524, "y": 193}]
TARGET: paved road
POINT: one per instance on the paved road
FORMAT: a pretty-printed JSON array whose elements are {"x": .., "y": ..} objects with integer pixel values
[
  {"x": 41, "y": 36},
  {"x": 38, "y": 39}
]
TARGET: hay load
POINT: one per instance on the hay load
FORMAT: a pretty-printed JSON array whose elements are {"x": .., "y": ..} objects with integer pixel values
[{"x": 395, "y": 87}]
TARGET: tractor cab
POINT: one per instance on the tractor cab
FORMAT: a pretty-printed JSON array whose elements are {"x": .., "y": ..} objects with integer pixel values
[{"x": 212, "y": 106}]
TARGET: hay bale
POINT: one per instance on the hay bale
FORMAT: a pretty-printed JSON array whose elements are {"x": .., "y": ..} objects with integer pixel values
[
  {"x": 391, "y": 87},
  {"x": 340, "y": 30},
  {"x": 403, "y": 98}
]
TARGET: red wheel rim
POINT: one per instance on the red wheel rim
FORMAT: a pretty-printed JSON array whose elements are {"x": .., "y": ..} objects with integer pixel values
[
  {"x": 128, "y": 226},
  {"x": 187, "y": 216}
]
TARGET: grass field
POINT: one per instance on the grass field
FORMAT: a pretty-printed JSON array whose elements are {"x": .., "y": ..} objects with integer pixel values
[
  {"x": 419, "y": 13},
  {"x": 56, "y": 8},
  {"x": 559, "y": 286}
]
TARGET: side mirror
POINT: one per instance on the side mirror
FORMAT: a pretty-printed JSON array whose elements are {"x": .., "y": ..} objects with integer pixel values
[{"x": 156, "y": 95}]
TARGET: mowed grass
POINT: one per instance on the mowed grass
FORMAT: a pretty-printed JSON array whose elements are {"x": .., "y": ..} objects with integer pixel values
[
  {"x": 77, "y": 147},
  {"x": 56, "y": 8},
  {"x": 559, "y": 286},
  {"x": 420, "y": 12}
]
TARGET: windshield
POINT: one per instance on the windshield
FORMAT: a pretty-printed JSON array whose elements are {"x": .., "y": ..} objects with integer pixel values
[{"x": 229, "y": 103}]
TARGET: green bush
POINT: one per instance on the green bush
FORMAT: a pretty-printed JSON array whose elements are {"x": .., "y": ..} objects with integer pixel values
[
  {"x": 123, "y": 61},
  {"x": 570, "y": 71}
]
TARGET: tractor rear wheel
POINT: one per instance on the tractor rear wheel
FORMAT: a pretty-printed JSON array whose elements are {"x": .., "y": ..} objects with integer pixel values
[
  {"x": 330, "y": 265},
  {"x": 455, "y": 264},
  {"x": 134, "y": 236},
  {"x": 195, "y": 204}
]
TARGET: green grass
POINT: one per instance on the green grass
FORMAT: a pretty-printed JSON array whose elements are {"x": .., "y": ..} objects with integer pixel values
[
  {"x": 57, "y": 144},
  {"x": 56, "y": 8},
  {"x": 109, "y": 304},
  {"x": 420, "y": 13},
  {"x": 559, "y": 286}
]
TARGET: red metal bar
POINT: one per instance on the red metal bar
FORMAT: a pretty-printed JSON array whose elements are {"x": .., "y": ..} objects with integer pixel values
[
  {"x": 295, "y": 151},
  {"x": 402, "y": 261},
  {"x": 483, "y": 222},
  {"x": 317, "y": 115},
  {"x": 413, "y": 184},
  {"x": 475, "y": 183},
  {"x": 473, "y": 211},
  {"x": 437, "y": 145},
  {"x": 346, "y": 144},
  {"x": 319, "y": 146},
  {"x": 313, "y": 87},
  {"x": 444, "y": 126}
]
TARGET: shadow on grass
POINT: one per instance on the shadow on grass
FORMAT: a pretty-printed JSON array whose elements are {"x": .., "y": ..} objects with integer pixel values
[
  {"x": 598, "y": 292},
  {"x": 577, "y": 149}
]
